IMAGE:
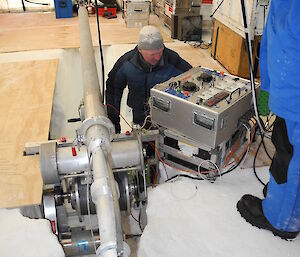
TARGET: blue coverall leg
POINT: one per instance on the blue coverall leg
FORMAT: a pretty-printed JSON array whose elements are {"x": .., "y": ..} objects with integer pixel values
[
  {"x": 282, "y": 203},
  {"x": 279, "y": 212}
]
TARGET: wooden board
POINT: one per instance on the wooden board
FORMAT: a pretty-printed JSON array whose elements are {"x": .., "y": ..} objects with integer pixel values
[
  {"x": 43, "y": 31},
  {"x": 26, "y": 90},
  {"x": 196, "y": 56},
  {"x": 229, "y": 49}
]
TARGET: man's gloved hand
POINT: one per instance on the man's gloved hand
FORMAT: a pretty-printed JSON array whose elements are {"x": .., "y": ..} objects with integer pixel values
[
  {"x": 115, "y": 119},
  {"x": 117, "y": 127}
]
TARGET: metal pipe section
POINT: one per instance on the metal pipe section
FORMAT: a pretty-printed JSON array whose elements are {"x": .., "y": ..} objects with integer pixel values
[
  {"x": 97, "y": 141},
  {"x": 59, "y": 161},
  {"x": 125, "y": 154},
  {"x": 102, "y": 197},
  {"x": 92, "y": 97},
  {"x": 80, "y": 242},
  {"x": 67, "y": 163}
]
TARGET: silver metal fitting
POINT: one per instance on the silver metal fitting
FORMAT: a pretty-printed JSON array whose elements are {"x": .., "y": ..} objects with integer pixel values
[
  {"x": 108, "y": 132},
  {"x": 100, "y": 120},
  {"x": 106, "y": 247},
  {"x": 48, "y": 163}
]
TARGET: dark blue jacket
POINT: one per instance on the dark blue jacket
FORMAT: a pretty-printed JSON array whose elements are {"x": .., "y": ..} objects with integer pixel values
[{"x": 131, "y": 70}]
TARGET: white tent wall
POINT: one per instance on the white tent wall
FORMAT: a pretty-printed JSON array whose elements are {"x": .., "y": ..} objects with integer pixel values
[{"x": 17, "y": 6}]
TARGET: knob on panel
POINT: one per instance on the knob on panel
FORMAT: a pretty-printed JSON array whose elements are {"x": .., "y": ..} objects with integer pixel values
[
  {"x": 205, "y": 77},
  {"x": 189, "y": 86}
]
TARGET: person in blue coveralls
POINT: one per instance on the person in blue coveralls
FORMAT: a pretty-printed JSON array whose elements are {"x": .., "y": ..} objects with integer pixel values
[
  {"x": 279, "y": 212},
  {"x": 148, "y": 64}
]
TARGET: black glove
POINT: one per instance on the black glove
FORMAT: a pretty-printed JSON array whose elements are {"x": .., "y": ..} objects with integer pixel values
[{"x": 117, "y": 127}]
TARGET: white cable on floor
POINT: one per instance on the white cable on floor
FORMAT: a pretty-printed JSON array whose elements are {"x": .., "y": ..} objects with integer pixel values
[{"x": 204, "y": 177}]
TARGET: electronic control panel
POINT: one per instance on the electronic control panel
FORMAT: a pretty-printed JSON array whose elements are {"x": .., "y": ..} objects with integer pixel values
[{"x": 202, "y": 104}]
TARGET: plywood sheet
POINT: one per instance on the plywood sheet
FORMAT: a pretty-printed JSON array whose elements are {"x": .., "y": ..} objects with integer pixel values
[
  {"x": 227, "y": 47},
  {"x": 196, "y": 56},
  {"x": 43, "y": 31},
  {"x": 26, "y": 90},
  {"x": 230, "y": 50}
]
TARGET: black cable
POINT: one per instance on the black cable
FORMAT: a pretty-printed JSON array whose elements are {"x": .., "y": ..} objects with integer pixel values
[
  {"x": 263, "y": 141},
  {"x": 34, "y": 3},
  {"x": 269, "y": 128},
  {"x": 197, "y": 178},
  {"x": 239, "y": 162},
  {"x": 265, "y": 148},
  {"x": 127, "y": 236},
  {"x": 263, "y": 135},
  {"x": 234, "y": 166},
  {"x": 216, "y": 9},
  {"x": 101, "y": 51},
  {"x": 183, "y": 175},
  {"x": 254, "y": 160},
  {"x": 218, "y": 175},
  {"x": 140, "y": 225},
  {"x": 23, "y": 5}
]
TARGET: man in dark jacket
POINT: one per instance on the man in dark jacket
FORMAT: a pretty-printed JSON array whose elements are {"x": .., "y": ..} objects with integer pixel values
[{"x": 148, "y": 64}]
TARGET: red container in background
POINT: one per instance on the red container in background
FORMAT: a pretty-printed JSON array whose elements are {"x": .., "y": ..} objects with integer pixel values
[{"x": 111, "y": 10}]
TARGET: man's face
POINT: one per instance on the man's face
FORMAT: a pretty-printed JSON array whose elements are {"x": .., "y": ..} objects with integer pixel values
[{"x": 152, "y": 56}]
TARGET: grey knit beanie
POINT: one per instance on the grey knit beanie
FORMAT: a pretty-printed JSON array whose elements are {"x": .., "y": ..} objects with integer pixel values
[{"x": 150, "y": 38}]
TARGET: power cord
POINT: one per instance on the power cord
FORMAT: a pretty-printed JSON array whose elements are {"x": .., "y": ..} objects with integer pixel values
[
  {"x": 140, "y": 224},
  {"x": 101, "y": 51},
  {"x": 128, "y": 236},
  {"x": 36, "y": 3},
  {"x": 184, "y": 176},
  {"x": 254, "y": 161},
  {"x": 216, "y": 9}
]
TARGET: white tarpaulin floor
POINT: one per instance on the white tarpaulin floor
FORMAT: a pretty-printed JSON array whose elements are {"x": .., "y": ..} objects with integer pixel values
[
  {"x": 197, "y": 218},
  {"x": 24, "y": 237}
]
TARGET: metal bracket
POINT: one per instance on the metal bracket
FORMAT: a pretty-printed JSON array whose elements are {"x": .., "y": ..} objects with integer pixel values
[
  {"x": 105, "y": 247},
  {"x": 48, "y": 163}
]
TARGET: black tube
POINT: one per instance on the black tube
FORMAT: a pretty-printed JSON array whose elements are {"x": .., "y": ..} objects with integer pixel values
[
  {"x": 34, "y": 3},
  {"x": 256, "y": 62},
  {"x": 74, "y": 120},
  {"x": 23, "y": 5},
  {"x": 254, "y": 161},
  {"x": 216, "y": 9},
  {"x": 248, "y": 46},
  {"x": 101, "y": 51}
]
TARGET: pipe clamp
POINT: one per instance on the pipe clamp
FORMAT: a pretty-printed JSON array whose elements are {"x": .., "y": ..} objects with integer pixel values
[
  {"x": 99, "y": 188},
  {"x": 106, "y": 247}
]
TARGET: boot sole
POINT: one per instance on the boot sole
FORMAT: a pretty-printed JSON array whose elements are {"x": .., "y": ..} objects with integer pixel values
[{"x": 241, "y": 207}]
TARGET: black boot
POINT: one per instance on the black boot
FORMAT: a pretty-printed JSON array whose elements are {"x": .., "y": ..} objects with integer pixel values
[{"x": 250, "y": 208}]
